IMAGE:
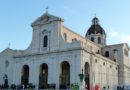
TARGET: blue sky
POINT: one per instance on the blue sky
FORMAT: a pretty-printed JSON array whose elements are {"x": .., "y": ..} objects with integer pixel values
[{"x": 17, "y": 15}]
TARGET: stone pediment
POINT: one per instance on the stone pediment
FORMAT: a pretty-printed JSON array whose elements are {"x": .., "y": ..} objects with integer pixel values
[{"x": 45, "y": 19}]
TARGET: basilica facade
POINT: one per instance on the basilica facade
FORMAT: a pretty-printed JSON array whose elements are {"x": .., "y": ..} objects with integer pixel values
[{"x": 57, "y": 55}]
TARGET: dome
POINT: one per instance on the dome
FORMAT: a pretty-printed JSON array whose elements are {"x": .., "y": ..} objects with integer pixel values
[{"x": 95, "y": 28}]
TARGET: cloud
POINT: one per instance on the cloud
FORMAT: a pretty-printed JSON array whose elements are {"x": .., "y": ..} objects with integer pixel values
[
  {"x": 125, "y": 38},
  {"x": 65, "y": 7},
  {"x": 119, "y": 37},
  {"x": 113, "y": 34}
]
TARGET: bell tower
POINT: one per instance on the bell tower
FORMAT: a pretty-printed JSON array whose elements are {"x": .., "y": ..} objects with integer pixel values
[{"x": 96, "y": 33}]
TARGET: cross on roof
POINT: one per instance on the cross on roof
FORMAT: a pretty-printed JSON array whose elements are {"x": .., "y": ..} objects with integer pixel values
[
  {"x": 47, "y": 9},
  {"x": 8, "y": 45},
  {"x": 95, "y": 14}
]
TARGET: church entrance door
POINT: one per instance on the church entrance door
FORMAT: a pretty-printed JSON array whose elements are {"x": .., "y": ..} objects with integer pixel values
[
  {"x": 43, "y": 76},
  {"x": 25, "y": 75},
  {"x": 65, "y": 75}
]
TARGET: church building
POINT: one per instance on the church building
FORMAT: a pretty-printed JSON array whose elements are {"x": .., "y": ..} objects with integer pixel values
[{"x": 61, "y": 57}]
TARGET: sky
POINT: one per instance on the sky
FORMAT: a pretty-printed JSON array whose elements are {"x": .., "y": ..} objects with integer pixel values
[{"x": 16, "y": 17}]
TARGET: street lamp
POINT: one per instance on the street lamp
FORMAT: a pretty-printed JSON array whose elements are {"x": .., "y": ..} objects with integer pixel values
[{"x": 81, "y": 76}]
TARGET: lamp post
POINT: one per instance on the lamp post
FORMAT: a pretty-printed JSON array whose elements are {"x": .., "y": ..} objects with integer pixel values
[
  {"x": 91, "y": 69},
  {"x": 81, "y": 76}
]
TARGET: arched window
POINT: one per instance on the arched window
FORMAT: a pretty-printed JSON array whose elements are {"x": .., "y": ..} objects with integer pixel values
[
  {"x": 45, "y": 41},
  {"x": 92, "y": 39},
  {"x": 107, "y": 54},
  {"x": 87, "y": 74},
  {"x": 65, "y": 36},
  {"x": 99, "y": 40},
  {"x": 126, "y": 52},
  {"x": 6, "y": 63}
]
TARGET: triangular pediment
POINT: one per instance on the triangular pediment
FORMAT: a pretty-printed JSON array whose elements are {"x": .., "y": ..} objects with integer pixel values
[{"x": 45, "y": 19}]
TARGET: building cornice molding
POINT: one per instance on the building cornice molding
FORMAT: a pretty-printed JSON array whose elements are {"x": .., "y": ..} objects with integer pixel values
[{"x": 45, "y": 53}]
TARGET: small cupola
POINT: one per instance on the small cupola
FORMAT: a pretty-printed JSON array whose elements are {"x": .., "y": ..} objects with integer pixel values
[
  {"x": 95, "y": 27},
  {"x": 96, "y": 33},
  {"x": 95, "y": 21}
]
